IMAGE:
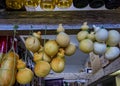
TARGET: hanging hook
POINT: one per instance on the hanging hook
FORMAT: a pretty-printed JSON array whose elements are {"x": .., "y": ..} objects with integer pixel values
[
  {"x": 15, "y": 27},
  {"x": 44, "y": 42},
  {"x": 31, "y": 31}
]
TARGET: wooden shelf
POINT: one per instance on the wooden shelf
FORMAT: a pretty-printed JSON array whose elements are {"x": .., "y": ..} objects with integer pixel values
[
  {"x": 104, "y": 73},
  {"x": 71, "y": 20},
  {"x": 114, "y": 66},
  {"x": 105, "y": 17},
  {"x": 71, "y": 8}
]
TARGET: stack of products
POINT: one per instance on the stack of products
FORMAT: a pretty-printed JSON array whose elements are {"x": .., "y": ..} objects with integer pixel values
[{"x": 50, "y": 5}]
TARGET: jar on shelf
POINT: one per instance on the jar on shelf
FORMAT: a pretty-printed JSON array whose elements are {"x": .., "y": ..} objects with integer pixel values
[
  {"x": 14, "y": 4},
  {"x": 31, "y": 3},
  {"x": 2, "y": 5},
  {"x": 47, "y": 5},
  {"x": 96, "y": 3},
  {"x": 112, "y": 4},
  {"x": 80, "y": 3},
  {"x": 64, "y": 3}
]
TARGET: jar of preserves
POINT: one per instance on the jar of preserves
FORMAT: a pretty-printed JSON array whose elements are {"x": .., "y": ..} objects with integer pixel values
[
  {"x": 112, "y": 4},
  {"x": 14, "y": 4},
  {"x": 96, "y": 3},
  {"x": 48, "y": 5},
  {"x": 2, "y": 5},
  {"x": 80, "y": 3},
  {"x": 64, "y": 3},
  {"x": 31, "y": 3}
]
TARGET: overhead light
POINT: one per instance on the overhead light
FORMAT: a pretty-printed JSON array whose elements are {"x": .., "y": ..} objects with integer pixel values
[{"x": 115, "y": 73}]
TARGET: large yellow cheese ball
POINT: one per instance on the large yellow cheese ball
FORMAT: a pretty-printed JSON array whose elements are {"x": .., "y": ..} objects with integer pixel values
[
  {"x": 24, "y": 76},
  {"x": 86, "y": 46},
  {"x": 42, "y": 68}
]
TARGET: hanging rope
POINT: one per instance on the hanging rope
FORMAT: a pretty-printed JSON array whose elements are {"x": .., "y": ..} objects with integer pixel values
[
  {"x": 12, "y": 49},
  {"x": 31, "y": 31},
  {"x": 44, "y": 42}
]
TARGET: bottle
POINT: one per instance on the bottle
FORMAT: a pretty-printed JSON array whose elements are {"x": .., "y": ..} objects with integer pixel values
[
  {"x": 14, "y": 4},
  {"x": 64, "y": 3},
  {"x": 2, "y": 5},
  {"x": 112, "y": 4},
  {"x": 47, "y": 5},
  {"x": 31, "y": 3},
  {"x": 80, "y": 3},
  {"x": 96, "y": 3}
]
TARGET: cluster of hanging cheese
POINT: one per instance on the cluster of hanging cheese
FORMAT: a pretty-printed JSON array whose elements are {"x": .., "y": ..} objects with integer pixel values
[
  {"x": 24, "y": 74},
  {"x": 63, "y": 41},
  {"x": 51, "y": 55},
  {"x": 9, "y": 73},
  {"x": 12, "y": 69},
  {"x": 41, "y": 59},
  {"x": 8, "y": 69},
  {"x": 100, "y": 41}
]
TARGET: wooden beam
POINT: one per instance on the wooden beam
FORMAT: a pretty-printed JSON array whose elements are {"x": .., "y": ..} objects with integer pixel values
[
  {"x": 27, "y": 32},
  {"x": 114, "y": 66},
  {"x": 65, "y": 17},
  {"x": 70, "y": 19},
  {"x": 104, "y": 73},
  {"x": 95, "y": 77},
  {"x": 69, "y": 76},
  {"x": 117, "y": 80}
]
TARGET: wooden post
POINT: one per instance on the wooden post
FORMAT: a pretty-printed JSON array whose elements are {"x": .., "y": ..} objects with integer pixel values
[{"x": 117, "y": 80}]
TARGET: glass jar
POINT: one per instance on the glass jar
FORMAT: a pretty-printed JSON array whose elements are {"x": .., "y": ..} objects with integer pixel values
[
  {"x": 80, "y": 3},
  {"x": 2, "y": 5},
  {"x": 14, "y": 4},
  {"x": 112, "y": 4},
  {"x": 64, "y": 3},
  {"x": 96, "y": 3},
  {"x": 47, "y": 5},
  {"x": 32, "y": 3}
]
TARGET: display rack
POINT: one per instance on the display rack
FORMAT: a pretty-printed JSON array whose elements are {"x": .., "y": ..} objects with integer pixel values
[
  {"x": 71, "y": 8},
  {"x": 71, "y": 20}
]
